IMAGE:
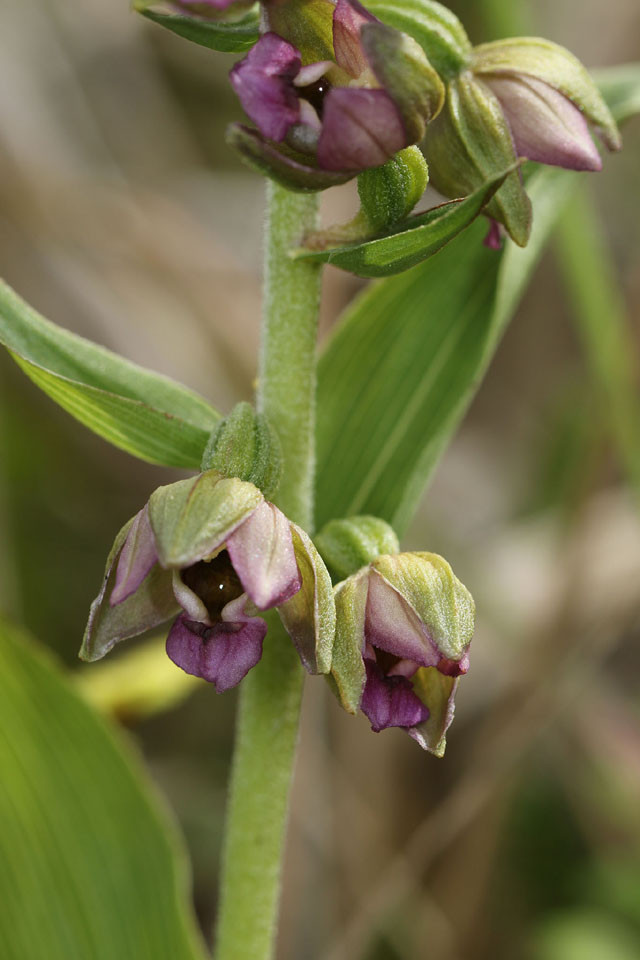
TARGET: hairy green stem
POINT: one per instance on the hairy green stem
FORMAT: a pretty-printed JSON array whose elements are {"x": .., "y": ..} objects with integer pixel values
[{"x": 270, "y": 696}]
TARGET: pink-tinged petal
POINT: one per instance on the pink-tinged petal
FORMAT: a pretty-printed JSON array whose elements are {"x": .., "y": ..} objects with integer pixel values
[
  {"x": 190, "y": 602},
  {"x": 222, "y": 654},
  {"x": 348, "y": 19},
  {"x": 264, "y": 83},
  {"x": 545, "y": 125},
  {"x": 390, "y": 701},
  {"x": 262, "y": 554},
  {"x": 392, "y": 625},
  {"x": 360, "y": 129},
  {"x": 493, "y": 239},
  {"x": 136, "y": 559}
]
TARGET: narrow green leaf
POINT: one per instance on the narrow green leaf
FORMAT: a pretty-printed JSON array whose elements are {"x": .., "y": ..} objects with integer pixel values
[
  {"x": 603, "y": 327},
  {"x": 144, "y": 413},
  {"x": 415, "y": 240},
  {"x": 225, "y": 37},
  {"x": 91, "y": 867},
  {"x": 620, "y": 86},
  {"x": 400, "y": 371}
]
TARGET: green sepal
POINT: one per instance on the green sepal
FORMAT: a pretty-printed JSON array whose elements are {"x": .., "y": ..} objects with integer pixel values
[
  {"x": 390, "y": 192},
  {"x": 348, "y": 672},
  {"x": 556, "y": 66},
  {"x": 437, "y": 30},
  {"x": 349, "y": 544},
  {"x": 307, "y": 24},
  {"x": 413, "y": 241},
  {"x": 153, "y": 603},
  {"x": 191, "y": 518},
  {"x": 402, "y": 69},
  {"x": 246, "y": 446},
  {"x": 309, "y": 617},
  {"x": 279, "y": 163},
  {"x": 438, "y": 693},
  {"x": 235, "y": 36},
  {"x": 469, "y": 144},
  {"x": 443, "y": 604}
]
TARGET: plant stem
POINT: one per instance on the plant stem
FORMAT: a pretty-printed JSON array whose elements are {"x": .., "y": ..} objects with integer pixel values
[{"x": 270, "y": 696}]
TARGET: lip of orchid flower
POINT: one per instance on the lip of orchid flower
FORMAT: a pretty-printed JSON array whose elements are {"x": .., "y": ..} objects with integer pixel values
[
  {"x": 214, "y": 552},
  {"x": 347, "y": 114}
]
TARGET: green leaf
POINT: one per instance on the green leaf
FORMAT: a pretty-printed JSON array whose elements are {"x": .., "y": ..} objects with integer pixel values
[
  {"x": 415, "y": 240},
  {"x": 225, "y": 37},
  {"x": 401, "y": 369},
  {"x": 620, "y": 86},
  {"x": 91, "y": 865},
  {"x": 148, "y": 415}
]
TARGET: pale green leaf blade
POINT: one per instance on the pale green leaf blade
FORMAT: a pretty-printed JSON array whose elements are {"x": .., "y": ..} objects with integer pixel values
[
  {"x": 416, "y": 240},
  {"x": 91, "y": 868},
  {"x": 225, "y": 37},
  {"x": 400, "y": 371},
  {"x": 131, "y": 425},
  {"x": 149, "y": 415}
]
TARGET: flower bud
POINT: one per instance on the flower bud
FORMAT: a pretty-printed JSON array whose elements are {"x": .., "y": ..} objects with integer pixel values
[
  {"x": 389, "y": 193},
  {"x": 349, "y": 544},
  {"x": 403, "y": 628},
  {"x": 524, "y": 97},
  {"x": 246, "y": 446}
]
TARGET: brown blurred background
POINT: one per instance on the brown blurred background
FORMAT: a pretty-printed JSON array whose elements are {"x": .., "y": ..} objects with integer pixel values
[{"x": 123, "y": 216}]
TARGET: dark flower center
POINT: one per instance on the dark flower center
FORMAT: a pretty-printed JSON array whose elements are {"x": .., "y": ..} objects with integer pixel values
[
  {"x": 386, "y": 661},
  {"x": 215, "y": 582},
  {"x": 314, "y": 93}
]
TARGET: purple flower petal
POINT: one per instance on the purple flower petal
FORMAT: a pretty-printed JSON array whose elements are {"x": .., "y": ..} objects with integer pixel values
[
  {"x": 222, "y": 654},
  {"x": 348, "y": 19},
  {"x": 262, "y": 554},
  {"x": 136, "y": 559},
  {"x": 545, "y": 125},
  {"x": 392, "y": 625},
  {"x": 360, "y": 129},
  {"x": 264, "y": 83},
  {"x": 390, "y": 701}
]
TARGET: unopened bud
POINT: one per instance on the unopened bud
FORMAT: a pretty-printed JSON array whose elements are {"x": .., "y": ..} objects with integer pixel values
[
  {"x": 246, "y": 446},
  {"x": 348, "y": 545}
]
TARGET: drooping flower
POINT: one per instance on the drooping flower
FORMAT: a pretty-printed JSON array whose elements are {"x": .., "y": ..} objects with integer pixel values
[
  {"x": 519, "y": 98},
  {"x": 210, "y": 553},
  {"x": 332, "y": 92},
  {"x": 404, "y": 625}
]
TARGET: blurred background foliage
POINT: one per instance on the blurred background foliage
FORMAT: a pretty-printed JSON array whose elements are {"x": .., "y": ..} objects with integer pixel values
[{"x": 124, "y": 217}]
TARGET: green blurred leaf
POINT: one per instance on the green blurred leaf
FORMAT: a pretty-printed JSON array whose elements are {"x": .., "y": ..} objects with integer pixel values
[
  {"x": 605, "y": 331},
  {"x": 144, "y": 413},
  {"x": 90, "y": 866},
  {"x": 401, "y": 369},
  {"x": 415, "y": 240},
  {"x": 225, "y": 37},
  {"x": 620, "y": 86},
  {"x": 585, "y": 935}
]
